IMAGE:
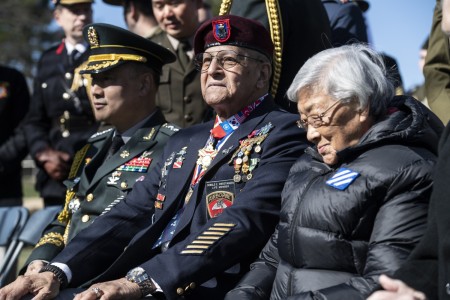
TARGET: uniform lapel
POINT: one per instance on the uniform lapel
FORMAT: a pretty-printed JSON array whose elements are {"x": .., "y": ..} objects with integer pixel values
[
  {"x": 183, "y": 175},
  {"x": 96, "y": 161},
  {"x": 138, "y": 143}
]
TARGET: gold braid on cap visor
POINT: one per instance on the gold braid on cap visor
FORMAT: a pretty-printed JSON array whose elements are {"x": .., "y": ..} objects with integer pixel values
[{"x": 108, "y": 60}]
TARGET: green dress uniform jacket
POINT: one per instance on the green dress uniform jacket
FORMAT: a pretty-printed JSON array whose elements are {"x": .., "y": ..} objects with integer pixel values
[
  {"x": 95, "y": 185},
  {"x": 179, "y": 94},
  {"x": 437, "y": 69}
]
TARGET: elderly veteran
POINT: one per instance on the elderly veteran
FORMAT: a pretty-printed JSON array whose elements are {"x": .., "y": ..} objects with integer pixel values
[
  {"x": 356, "y": 205},
  {"x": 194, "y": 225},
  {"x": 125, "y": 70}
]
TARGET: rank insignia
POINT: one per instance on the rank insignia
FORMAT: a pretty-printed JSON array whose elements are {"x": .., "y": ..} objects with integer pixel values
[
  {"x": 219, "y": 196},
  {"x": 221, "y": 30},
  {"x": 208, "y": 238},
  {"x": 124, "y": 154},
  {"x": 342, "y": 179}
]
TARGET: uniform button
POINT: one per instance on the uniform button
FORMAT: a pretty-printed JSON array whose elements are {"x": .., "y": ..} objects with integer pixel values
[
  {"x": 180, "y": 291},
  {"x": 192, "y": 285},
  {"x": 188, "y": 118},
  {"x": 90, "y": 197},
  {"x": 124, "y": 185},
  {"x": 65, "y": 133},
  {"x": 68, "y": 75},
  {"x": 44, "y": 85},
  {"x": 187, "y": 99},
  {"x": 85, "y": 218},
  {"x": 66, "y": 96},
  {"x": 447, "y": 288}
]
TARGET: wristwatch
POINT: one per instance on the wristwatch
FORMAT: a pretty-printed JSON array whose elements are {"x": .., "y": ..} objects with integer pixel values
[
  {"x": 59, "y": 274},
  {"x": 140, "y": 277}
]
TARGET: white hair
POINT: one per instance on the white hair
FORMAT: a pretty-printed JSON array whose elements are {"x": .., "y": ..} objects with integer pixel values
[{"x": 344, "y": 73}]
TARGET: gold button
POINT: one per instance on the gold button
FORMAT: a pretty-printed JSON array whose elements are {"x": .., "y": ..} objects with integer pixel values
[
  {"x": 68, "y": 76},
  {"x": 124, "y": 185},
  {"x": 90, "y": 197},
  {"x": 66, "y": 96},
  {"x": 192, "y": 285},
  {"x": 85, "y": 218},
  {"x": 180, "y": 291}
]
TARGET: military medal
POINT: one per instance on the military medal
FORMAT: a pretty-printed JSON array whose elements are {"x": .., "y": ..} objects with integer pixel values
[
  {"x": 180, "y": 158},
  {"x": 206, "y": 156}
]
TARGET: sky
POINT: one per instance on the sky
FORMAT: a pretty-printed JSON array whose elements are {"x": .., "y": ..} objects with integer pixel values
[{"x": 396, "y": 27}]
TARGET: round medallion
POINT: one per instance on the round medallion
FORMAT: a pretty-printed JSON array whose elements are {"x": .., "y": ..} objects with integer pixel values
[
  {"x": 258, "y": 149},
  {"x": 237, "y": 178},
  {"x": 206, "y": 161},
  {"x": 238, "y": 161}
]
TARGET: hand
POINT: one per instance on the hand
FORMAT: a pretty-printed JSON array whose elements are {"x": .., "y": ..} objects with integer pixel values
[
  {"x": 112, "y": 290},
  {"x": 55, "y": 163},
  {"x": 35, "y": 266},
  {"x": 396, "y": 289},
  {"x": 41, "y": 285}
]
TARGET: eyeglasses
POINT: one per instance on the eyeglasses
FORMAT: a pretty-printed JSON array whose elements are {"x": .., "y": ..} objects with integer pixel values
[
  {"x": 315, "y": 121},
  {"x": 226, "y": 59}
]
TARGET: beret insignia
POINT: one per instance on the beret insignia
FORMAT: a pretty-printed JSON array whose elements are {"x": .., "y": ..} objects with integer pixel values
[{"x": 221, "y": 30}]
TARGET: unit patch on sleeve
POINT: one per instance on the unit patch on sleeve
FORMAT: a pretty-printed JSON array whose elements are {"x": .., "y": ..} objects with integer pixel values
[{"x": 342, "y": 179}]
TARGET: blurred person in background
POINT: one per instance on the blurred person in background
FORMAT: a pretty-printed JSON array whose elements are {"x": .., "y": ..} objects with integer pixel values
[
  {"x": 60, "y": 119},
  {"x": 14, "y": 103},
  {"x": 138, "y": 15},
  {"x": 179, "y": 94}
]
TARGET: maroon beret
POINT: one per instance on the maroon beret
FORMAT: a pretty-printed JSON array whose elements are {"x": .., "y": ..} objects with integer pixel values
[{"x": 233, "y": 30}]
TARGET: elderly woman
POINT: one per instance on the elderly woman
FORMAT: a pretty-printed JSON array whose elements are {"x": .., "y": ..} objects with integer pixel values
[{"x": 357, "y": 206}]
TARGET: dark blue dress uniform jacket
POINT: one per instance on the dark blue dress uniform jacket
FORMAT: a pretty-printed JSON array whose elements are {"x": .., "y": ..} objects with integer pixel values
[{"x": 124, "y": 238}]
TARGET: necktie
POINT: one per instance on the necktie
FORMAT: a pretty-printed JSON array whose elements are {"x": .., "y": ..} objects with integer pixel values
[
  {"x": 73, "y": 56},
  {"x": 117, "y": 142},
  {"x": 182, "y": 50}
]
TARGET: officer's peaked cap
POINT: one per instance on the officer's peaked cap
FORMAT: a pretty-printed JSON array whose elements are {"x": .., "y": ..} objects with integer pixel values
[
  {"x": 71, "y": 2},
  {"x": 236, "y": 31},
  {"x": 112, "y": 46}
]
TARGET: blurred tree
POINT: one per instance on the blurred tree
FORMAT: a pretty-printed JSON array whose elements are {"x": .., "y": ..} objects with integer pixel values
[{"x": 25, "y": 31}]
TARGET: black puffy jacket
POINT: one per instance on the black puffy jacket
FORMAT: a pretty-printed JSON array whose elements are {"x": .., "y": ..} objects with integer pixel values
[{"x": 341, "y": 226}]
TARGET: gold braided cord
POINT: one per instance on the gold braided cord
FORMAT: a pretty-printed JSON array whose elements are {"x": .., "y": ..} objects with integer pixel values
[
  {"x": 66, "y": 233},
  {"x": 225, "y": 7},
  {"x": 53, "y": 238},
  {"x": 63, "y": 216},
  {"x": 102, "y": 65},
  {"x": 102, "y": 57},
  {"x": 276, "y": 32}
]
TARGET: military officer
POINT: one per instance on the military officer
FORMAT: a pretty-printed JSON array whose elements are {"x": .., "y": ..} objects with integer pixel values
[
  {"x": 299, "y": 29},
  {"x": 179, "y": 95},
  {"x": 193, "y": 226},
  {"x": 61, "y": 118},
  {"x": 125, "y": 69}
]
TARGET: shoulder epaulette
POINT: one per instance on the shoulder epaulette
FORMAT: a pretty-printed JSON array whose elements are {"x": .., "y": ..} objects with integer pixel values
[
  {"x": 99, "y": 135},
  {"x": 169, "y": 128}
]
